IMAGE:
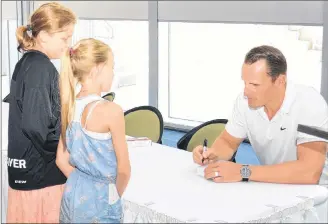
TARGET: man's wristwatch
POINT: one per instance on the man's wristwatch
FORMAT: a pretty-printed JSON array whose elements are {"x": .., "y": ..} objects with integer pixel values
[{"x": 245, "y": 172}]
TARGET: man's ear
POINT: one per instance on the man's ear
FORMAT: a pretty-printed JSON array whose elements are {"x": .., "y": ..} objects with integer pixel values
[{"x": 281, "y": 80}]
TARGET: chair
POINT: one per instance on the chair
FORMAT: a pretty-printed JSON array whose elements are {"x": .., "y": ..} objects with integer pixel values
[
  {"x": 109, "y": 96},
  {"x": 144, "y": 121},
  {"x": 209, "y": 130}
]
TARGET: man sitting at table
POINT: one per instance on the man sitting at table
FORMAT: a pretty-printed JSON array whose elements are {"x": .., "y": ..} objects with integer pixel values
[{"x": 268, "y": 113}]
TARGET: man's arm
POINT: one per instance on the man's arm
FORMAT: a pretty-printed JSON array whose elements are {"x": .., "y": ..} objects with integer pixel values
[
  {"x": 226, "y": 145},
  {"x": 305, "y": 170},
  {"x": 235, "y": 131},
  {"x": 223, "y": 148}
]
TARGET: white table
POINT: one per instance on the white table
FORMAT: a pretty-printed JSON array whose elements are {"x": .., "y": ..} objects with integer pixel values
[{"x": 164, "y": 187}]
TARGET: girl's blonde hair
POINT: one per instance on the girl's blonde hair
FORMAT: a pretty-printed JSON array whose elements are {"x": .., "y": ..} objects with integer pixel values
[
  {"x": 50, "y": 17},
  {"x": 75, "y": 65}
]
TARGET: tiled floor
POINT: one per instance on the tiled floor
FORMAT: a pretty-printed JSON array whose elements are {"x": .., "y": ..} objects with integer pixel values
[{"x": 245, "y": 154}]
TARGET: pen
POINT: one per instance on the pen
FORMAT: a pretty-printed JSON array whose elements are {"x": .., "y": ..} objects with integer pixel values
[{"x": 204, "y": 148}]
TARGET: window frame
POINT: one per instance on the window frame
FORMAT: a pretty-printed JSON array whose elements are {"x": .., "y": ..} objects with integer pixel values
[{"x": 11, "y": 12}]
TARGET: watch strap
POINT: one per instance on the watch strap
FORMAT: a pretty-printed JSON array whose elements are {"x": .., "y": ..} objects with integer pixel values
[{"x": 245, "y": 179}]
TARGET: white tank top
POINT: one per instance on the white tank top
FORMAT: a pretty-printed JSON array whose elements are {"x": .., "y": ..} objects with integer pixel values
[{"x": 80, "y": 105}]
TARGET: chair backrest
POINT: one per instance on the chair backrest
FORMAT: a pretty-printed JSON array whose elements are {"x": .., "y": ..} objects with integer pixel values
[
  {"x": 144, "y": 121},
  {"x": 109, "y": 96},
  {"x": 209, "y": 130}
]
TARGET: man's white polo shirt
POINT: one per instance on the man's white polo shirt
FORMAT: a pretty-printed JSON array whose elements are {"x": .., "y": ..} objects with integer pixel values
[{"x": 276, "y": 141}]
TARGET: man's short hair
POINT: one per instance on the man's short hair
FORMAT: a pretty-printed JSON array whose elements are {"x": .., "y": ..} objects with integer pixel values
[{"x": 275, "y": 60}]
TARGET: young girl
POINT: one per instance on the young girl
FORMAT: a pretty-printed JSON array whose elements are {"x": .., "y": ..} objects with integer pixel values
[
  {"x": 35, "y": 182},
  {"x": 92, "y": 151}
]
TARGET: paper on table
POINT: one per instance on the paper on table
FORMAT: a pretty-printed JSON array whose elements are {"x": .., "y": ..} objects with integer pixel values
[
  {"x": 200, "y": 170},
  {"x": 138, "y": 141}
]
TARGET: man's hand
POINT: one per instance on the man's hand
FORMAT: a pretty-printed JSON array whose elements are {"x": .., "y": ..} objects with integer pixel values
[
  {"x": 208, "y": 156},
  {"x": 223, "y": 171}
]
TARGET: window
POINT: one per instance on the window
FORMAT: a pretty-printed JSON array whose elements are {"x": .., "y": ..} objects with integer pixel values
[
  {"x": 129, "y": 42},
  {"x": 5, "y": 71},
  {"x": 9, "y": 56},
  {"x": 200, "y": 64}
]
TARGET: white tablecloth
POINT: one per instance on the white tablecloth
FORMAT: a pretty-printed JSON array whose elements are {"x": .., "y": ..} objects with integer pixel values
[{"x": 164, "y": 187}]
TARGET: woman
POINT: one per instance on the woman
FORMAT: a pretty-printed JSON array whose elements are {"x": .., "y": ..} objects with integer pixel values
[{"x": 35, "y": 182}]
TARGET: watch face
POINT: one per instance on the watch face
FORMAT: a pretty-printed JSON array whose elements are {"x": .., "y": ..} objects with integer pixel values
[{"x": 245, "y": 172}]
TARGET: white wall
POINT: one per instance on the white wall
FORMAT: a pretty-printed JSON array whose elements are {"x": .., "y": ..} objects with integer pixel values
[
  {"x": 8, "y": 10},
  {"x": 106, "y": 9},
  {"x": 287, "y": 12}
]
